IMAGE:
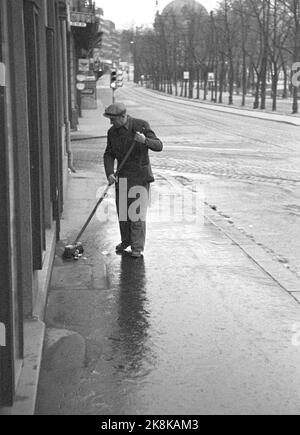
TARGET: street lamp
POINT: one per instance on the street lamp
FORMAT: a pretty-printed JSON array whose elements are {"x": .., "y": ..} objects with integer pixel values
[{"x": 133, "y": 51}]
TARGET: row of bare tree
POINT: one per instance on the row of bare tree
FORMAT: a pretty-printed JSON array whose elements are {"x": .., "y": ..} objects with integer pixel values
[{"x": 244, "y": 46}]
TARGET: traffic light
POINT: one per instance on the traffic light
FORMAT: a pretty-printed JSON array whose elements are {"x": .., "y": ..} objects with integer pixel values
[
  {"x": 113, "y": 79},
  {"x": 120, "y": 78}
]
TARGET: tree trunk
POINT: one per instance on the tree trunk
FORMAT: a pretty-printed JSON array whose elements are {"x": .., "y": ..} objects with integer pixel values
[
  {"x": 231, "y": 81},
  {"x": 191, "y": 84},
  {"x": 263, "y": 84},
  {"x": 285, "y": 86},
  {"x": 244, "y": 79},
  {"x": 198, "y": 83},
  {"x": 256, "y": 98},
  {"x": 170, "y": 90},
  {"x": 266, "y": 27},
  {"x": 295, "y": 100},
  {"x": 274, "y": 88},
  {"x": 215, "y": 98},
  {"x": 296, "y": 55},
  {"x": 205, "y": 88},
  {"x": 176, "y": 85},
  {"x": 182, "y": 86},
  {"x": 222, "y": 74}
]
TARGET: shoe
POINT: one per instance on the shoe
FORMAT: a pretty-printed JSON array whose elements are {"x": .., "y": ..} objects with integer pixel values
[
  {"x": 122, "y": 246},
  {"x": 136, "y": 254}
]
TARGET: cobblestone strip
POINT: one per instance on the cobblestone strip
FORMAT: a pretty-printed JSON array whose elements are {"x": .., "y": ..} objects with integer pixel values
[{"x": 238, "y": 172}]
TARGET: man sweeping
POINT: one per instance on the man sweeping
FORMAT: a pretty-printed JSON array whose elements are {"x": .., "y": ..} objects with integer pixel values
[{"x": 135, "y": 176}]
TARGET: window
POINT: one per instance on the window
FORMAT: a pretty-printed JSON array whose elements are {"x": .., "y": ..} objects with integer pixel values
[{"x": 31, "y": 20}]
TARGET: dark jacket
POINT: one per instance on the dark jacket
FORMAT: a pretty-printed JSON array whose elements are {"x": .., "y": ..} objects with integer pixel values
[{"x": 137, "y": 169}]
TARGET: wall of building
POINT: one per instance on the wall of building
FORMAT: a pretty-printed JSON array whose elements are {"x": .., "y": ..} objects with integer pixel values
[
  {"x": 110, "y": 44},
  {"x": 34, "y": 131}
]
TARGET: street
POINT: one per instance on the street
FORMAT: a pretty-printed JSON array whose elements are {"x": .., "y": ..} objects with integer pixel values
[
  {"x": 199, "y": 325},
  {"x": 130, "y": 288},
  {"x": 252, "y": 168},
  {"x": 249, "y": 167}
]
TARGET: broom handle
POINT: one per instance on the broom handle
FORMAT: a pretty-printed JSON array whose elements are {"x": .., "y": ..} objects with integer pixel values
[
  {"x": 125, "y": 159},
  {"x": 92, "y": 213},
  {"x": 104, "y": 194}
]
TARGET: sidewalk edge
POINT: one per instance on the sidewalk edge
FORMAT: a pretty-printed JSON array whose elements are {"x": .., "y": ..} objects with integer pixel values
[
  {"x": 26, "y": 394},
  {"x": 238, "y": 111}
]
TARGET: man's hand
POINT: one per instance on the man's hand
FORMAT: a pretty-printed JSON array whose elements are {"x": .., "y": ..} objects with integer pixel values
[
  {"x": 112, "y": 179},
  {"x": 140, "y": 137}
]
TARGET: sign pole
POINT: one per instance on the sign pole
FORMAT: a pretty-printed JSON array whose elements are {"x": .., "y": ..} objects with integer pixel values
[{"x": 186, "y": 77}]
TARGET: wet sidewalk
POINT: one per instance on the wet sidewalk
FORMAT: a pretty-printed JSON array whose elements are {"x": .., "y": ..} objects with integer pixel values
[{"x": 195, "y": 327}]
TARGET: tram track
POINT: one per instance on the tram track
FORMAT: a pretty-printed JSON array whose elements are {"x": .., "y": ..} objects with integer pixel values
[{"x": 278, "y": 268}]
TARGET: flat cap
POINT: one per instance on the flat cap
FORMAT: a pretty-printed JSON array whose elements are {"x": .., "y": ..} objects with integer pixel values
[{"x": 116, "y": 109}]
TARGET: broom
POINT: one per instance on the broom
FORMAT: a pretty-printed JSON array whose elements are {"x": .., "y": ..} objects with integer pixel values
[{"x": 75, "y": 249}]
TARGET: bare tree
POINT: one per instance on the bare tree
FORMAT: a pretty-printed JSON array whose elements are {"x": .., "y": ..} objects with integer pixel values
[
  {"x": 246, "y": 43},
  {"x": 292, "y": 9}
]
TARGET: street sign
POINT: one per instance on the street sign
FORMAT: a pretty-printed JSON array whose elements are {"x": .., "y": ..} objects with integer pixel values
[
  {"x": 88, "y": 91},
  {"x": 81, "y": 19},
  {"x": 74, "y": 24},
  {"x": 80, "y": 86},
  {"x": 80, "y": 77},
  {"x": 83, "y": 65},
  {"x": 186, "y": 75},
  {"x": 211, "y": 77},
  {"x": 90, "y": 78}
]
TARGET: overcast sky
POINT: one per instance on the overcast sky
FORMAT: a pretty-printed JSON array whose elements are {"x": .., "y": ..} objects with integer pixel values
[{"x": 128, "y": 13}]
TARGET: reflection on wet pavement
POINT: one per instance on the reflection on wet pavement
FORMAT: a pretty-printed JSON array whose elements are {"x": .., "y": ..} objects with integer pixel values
[{"x": 133, "y": 317}]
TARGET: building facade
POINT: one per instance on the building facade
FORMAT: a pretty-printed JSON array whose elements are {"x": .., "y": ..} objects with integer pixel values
[
  {"x": 85, "y": 35},
  {"x": 35, "y": 151},
  {"x": 109, "y": 49}
]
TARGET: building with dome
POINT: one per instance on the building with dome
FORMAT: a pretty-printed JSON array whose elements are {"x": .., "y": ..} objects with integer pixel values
[
  {"x": 182, "y": 14},
  {"x": 183, "y": 8}
]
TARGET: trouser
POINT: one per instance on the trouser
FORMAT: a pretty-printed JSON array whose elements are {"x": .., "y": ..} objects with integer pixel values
[{"x": 132, "y": 204}]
